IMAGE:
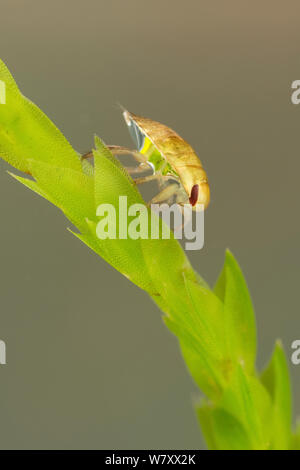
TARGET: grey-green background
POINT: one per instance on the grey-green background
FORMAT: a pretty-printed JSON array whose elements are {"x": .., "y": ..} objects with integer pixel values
[{"x": 90, "y": 363}]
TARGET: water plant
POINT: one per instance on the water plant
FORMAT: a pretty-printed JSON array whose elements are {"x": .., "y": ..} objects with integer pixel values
[{"x": 240, "y": 408}]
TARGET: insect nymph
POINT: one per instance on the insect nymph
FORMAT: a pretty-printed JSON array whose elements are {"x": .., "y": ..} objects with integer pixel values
[{"x": 174, "y": 164}]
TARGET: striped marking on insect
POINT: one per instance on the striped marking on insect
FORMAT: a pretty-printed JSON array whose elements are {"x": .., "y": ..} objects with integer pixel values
[{"x": 174, "y": 164}]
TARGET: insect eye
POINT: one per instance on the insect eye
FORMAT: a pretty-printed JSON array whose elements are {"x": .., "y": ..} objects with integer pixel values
[{"x": 194, "y": 194}]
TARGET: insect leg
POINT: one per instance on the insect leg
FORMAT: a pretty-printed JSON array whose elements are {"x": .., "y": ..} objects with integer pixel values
[
  {"x": 140, "y": 158},
  {"x": 87, "y": 155},
  {"x": 165, "y": 194},
  {"x": 134, "y": 170},
  {"x": 118, "y": 150},
  {"x": 146, "y": 179},
  {"x": 180, "y": 227}
]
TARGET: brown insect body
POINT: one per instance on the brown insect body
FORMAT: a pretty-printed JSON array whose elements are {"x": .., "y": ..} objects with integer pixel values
[{"x": 180, "y": 156}]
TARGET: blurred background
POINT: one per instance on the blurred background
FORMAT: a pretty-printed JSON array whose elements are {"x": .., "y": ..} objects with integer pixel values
[{"x": 90, "y": 363}]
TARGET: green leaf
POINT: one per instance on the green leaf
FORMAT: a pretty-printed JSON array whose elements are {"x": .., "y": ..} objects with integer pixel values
[
  {"x": 239, "y": 319},
  {"x": 111, "y": 182},
  {"x": 206, "y": 315},
  {"x": 27, "y": 133},
  {"x": 248, "y": 401},
  {"x": 200, "y": 330},
  {"x": 89, "y": 239},
  {"x": 72, "y": 191},
  {"x": 277, "y": 381},
  {"x": 200, "y": 364},
  {"x": 204, "y": 415},
  {"x": 31, "y": 184},
  {"x": 229, "y": 433},
  {"x": 221, "y": 430},
  {"x": 104, "y": 152},
  {"x": 216, "y": 330}
]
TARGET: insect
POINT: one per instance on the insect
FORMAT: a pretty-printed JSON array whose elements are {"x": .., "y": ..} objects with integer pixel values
[{"x": 172, "y": 161}]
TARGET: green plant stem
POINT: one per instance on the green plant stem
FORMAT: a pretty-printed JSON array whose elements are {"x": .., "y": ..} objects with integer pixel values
[{"x": 215, "y": 327}]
